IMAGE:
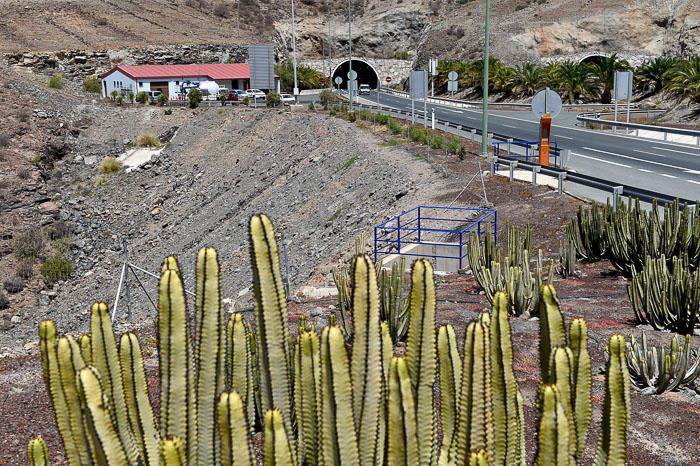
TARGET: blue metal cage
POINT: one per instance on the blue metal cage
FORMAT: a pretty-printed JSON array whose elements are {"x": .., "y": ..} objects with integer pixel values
[{"x": 448, "y": 228}]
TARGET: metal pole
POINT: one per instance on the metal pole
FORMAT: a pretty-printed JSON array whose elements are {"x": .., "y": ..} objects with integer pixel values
[
  {"x": 485, "y": 116},
  {"x": 126, "y": 280},
  {"x": 614, "y": 128},
  {"x": 294, "y": 54},
  {"x": 350, "y": 86}
]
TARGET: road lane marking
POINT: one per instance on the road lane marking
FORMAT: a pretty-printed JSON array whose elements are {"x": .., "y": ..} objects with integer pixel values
[
  {"x": 509, "y": 126},
  {"x": 644, "y": 170},
  {"x": 562, "y": 137},
  {"x": 637, "y": 159},
  {"x": 601, "y": 160},
  {"x": 668, "y": 176},
  {"x": 655, "y": 154},
  {"x": 693, "y": 181},
  {"x": 677, "y": 151}
]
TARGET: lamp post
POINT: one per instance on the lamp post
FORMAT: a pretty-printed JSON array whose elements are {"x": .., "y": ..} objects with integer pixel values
[
  {"x": 294, "y": 53},
  {"x": 485, "y": 115},
  {"x": 350, "y": 82}
]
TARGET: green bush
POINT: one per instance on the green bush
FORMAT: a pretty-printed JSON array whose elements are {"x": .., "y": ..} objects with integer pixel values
[
  {"x": 110, "y": 165},
  {"x": 382, "y": 119},
  {"x": 417, "y": 133},
  {"x": 436, "y": 141},
  {"x": 143, "y": 97},
  {"x": 28, "y": 244},
  {"x": 56, "y": 81},
  {"x": 57, "y": 267},
  {"x": 195, "y": 98},
  {"x": 327, "y": 97},
  {"x": 312, "y": 106},
  {"x": 120, "y": 100},
  {"x": 394, "y": 126},
  {"x": 455, "y": 147},
  {"x": 162, "y": 99},
  {"x": 168, "y": 112},
  {"x": 148, "y": 140},
  {"x": 246, "y": 101},
  {"x": 91, "y": 84},
  {"x": 114, "y": 94},
  {"x": 13, "y": 285},
  {"x": 25, "y": 269},
  {"x": 273, "y": 99}
]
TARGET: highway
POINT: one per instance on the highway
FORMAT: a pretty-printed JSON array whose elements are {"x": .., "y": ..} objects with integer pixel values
[{"x": 669, "y": 168}]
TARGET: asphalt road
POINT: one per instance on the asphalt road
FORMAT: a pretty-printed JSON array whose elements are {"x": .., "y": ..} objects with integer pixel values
[{"x": 669, "y": 168}]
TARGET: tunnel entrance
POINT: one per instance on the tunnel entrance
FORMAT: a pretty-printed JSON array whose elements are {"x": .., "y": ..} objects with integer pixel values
[
  {"x": 366, "y": 74},
  {"x": 593, "y": 59}
]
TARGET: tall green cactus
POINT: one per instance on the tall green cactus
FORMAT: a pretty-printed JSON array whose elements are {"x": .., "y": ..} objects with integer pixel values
[
  {"x": 554, "y": 437},
  {"x": 474, "y": 429},
  {"x": 402, "y": 448},
  {"x": 277, "y": 449},
  {"x": 578, "y": 342},
  {"x": 85, "y": 344},
  {"x": 612, "y": 443},
  {"x": 507, "y": 421},
  {"x": 172, "y": 452},
  {"x": 450, "y": 363},
  {"x": 233, "y": 431},
  {"x": 561, "y": 375},
  {"x": 239, "y": 364},
  {"x": 552, "y": 331},
  {"x": 421, "y": 357},
  {"x": 37, "y": 452},
  {"x": 307, "y": 381},
  {"x": 275, "y": 360},
  {"x": 478, "y": 458}
]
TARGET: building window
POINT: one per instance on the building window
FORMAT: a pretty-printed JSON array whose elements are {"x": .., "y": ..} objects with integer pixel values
[
  {"x": 140, "y": 83},
  {"x": 177, "y": 83}
]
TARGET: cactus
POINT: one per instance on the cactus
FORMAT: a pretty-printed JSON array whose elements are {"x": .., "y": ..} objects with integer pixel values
[
  {"x": 567, "y": 259},
  {"x": 519, "y": 242},
  {"x": 586, "y": 233},
  {"x": 392, "y": 301},
  {"x": 561, "y": 375},
  {"x": 403, "y": 446},
  {"x": 239, "y": 364},
  {"x": 650, "y": 367},
  {"x": 478, "y": 458},
  {"x": 277, "y": 449},
  {"x": 552, "y": 331},
  {"x": 233, "y": 431},
  {"x": 612, "y": 443},
  {"x": 37, "y": 452},
  {"x": 275, "y": 360},
  {"x": 578, "y": 342},
  {"x": 85, "y": 344},
  {"x": 306, "y": 393},
  {"x": 507, "y": 419},
  {"x": 172, "y": 452},
  {"x": 553, "y": 442},
  {"x": 421, "y": 355},
  {"x": 666, "y": 298},
  {"x": 450, "y": 364},
  {"x": 474, "y": 429}
]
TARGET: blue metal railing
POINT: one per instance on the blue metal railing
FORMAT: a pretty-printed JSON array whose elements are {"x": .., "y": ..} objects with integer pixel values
[
  {"x": 532, "y": 150},
  {"x": 446, "y": 227}
]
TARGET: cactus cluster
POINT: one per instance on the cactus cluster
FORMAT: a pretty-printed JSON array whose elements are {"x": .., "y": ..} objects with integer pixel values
[
  {"x": 652, "y": 368},
  {"x": 567, "y": 259},
  {"x": 514, "y": 275},
  {"x": 316, "y": 399}
]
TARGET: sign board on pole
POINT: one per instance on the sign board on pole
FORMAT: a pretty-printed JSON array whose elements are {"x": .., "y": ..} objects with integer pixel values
[
  {"x": 418, "y": 84},
  {"x": 352, "y": 75},
  {"x": 433, "y": 66},
  {"x": 452, "y": 86},
  {"x": 452, "y": 76},
  {"x": 546, "y": 101},
  {"x": 262, "y": 66},
  {"x": 623, "y": 85},
  {"x": 338, "y": 80}
]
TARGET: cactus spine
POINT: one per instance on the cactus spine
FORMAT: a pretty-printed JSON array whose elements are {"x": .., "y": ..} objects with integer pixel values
[
  {"x": 552, "y": 331},
  {"x": 233, "y": 431},
  {"x": 554, "y": 442},
  {"x": 612, "y": 444},
  {"x": 37, "y": 452},
  {"x": 450, "y": 381},
  {"x": 275, "y": 361},
  {"x": 507, "y": 420},
  {"x": 402, "y": 433},
  {"x": 578, "y": 341}
]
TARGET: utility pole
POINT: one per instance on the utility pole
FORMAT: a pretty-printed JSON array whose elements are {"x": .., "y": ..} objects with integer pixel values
[
  {"x": 485, "y": 116},
  {"x": 350, "y": 81},
  {"x": 294, "y": 53}
]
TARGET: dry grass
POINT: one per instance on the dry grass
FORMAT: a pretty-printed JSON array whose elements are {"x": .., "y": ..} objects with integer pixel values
[
  {"x": 148, "y": 140},
  {"x": 110, "y": 165}
]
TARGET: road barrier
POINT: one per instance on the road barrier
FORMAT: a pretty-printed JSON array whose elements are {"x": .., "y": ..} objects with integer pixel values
[{"x": 596, "y": 119}]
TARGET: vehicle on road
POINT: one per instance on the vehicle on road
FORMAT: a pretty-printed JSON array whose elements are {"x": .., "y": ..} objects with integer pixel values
[
  {"x": 236, "y": 95},
  {"x": 365, "y": 89},
  {"x": 256, "y": 94},
  {"x": 287, "y": 99}
]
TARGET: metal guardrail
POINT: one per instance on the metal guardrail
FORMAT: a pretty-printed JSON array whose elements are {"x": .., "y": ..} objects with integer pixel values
[
  {"x": 562, "y": 174},
  {"x": 595, "y": 118},
  {"x": 531, "y": 149}
]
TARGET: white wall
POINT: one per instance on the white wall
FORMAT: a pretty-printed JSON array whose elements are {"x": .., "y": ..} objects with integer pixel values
[{"x": 119, "y": 82}]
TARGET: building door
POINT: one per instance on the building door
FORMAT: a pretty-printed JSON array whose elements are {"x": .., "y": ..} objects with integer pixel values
[{"x": 161, "y": 86}]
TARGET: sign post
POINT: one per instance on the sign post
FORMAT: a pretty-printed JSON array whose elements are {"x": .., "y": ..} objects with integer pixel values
[
  {"x": 338, "y": 81},
  {"x": 546, "y": 105},
  {"x": 418, "y": 85},
  {"x": 262, "y": 67},
  {"x": 622, "y": 90},
  {"x": 452, "y": 82},
  {"x": 352, "y": 85}
]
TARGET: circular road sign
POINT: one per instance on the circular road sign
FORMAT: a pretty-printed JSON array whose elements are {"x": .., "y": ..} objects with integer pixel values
[
  {"x": 546, "y": 101},
  {"x": 338, "y": 80},
  {"x": 452, "y": 76},
  {"x": 352, "y": 75},
  {"x": 388, "y": 79}
]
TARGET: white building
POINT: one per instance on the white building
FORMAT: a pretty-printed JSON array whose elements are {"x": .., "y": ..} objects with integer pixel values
[{"x": 174, "y": 80}]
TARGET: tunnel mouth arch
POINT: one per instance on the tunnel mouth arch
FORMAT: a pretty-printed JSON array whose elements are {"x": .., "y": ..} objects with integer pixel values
[
  {"x": 366, "y": 74},
  {"x": 593, "y": 59}
]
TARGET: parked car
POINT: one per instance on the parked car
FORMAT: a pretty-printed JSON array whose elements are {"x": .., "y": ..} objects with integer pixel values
[
  {"x": 256, "y": 94},
  {"x": 236, "y": 95},
  {"x": 365, "y": 89},
  {"x": 153, "y": 95},
  {"x": 287, "y": 99}
]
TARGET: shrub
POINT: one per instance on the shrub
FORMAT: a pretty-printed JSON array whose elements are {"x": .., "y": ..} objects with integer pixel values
[
  {"x": 114, "y": 94},
  {"x": 162, "y": 99},
  {"x": 436, "y": 141},
  {"x": 454, "y": 146},
  {"x": 25, "y": 269},
  {"x": 57, "y": 267},
  {"x": 91, "y": 84},
  {"x": 168, "y": 112},
  {"x": 220, "y": 10},
  {"x": 4, "y": 301},
  {"x": 100, "y": 180},
  {"x": 195, "y": 98},
  {"x": 130, "y": 96},
  {"x": 312, "y": 106},
  {"x": 326, "y": 98},
  {"x": 417, "y": 133},
  {"x": 23, "y": 173},
  {"x": 110, "y": 165},
  {"x": 273, "y": 99},
  {"x": 56, "y": 81},
  {"x": 120, "y": 100},
  {"x": 148, "y": 140},
  {"x": 59, "y": 230},
  {"x": 382, "y": 119},
  {"x": 24, "y": 114},
  {"x": 246, "y": 101},
  {"x": 143, "y": 97},
  {"x": 13, "y": 285},
  {"x": 28, "y": 244}
]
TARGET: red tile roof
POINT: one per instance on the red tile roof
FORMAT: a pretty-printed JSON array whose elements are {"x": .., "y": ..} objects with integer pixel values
[{"x": 213, "y": 72}]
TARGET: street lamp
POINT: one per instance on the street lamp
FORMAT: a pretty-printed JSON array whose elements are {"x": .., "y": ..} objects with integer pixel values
[
  {"x": 294, "y": 54},
  {"x": 485, "y": 115},
  {"x": 350, "y": 83}
]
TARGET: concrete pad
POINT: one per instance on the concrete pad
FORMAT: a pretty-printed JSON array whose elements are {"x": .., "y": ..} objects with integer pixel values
[
  {"x": 134, "y": 158},
  {"x": 526, "y": 175}
]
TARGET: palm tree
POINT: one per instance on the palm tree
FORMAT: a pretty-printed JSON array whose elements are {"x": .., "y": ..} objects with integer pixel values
[
  {"x": 528, "y": 79},
  {"x": 684, "y": 78},
  {"x": 574, "y": 79},
  {"x": 651, "y": 75},
  {"x": 605, "y": 70}
]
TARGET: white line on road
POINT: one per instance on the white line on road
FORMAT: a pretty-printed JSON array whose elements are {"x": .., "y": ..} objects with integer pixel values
[
  {"x": 563, "y": 137},
  {"x": 668, "y": 176},
  {"x": 636, "y": 158},
  {"x": 509, "y": 126},
  {"x": 644, "y": 170},
  {"x": 649, "y": 153},
  {"x": 693, "y": 181},
  {"x": 678, "y": 151},
  {"x": 601, "y": 160}
]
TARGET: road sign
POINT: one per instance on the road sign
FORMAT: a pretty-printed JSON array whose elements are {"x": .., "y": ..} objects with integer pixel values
[
  {"x": 433, "y": 66},
  {"x": 452, "y": 76},
  {"x": 452, "y": 86},
  {"x": 418, "y": 84},
  {"x": 546, "y": 101},
  {"x": 623, "y": 85},
  {"x": 262, "y": 66},
  {"x": 338, "y": 80},
  {"x": 388, "y": 79},
  {"x": 352, "y": 75}
]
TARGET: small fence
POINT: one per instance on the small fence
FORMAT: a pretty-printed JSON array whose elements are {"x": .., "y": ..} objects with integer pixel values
[
  {"x": 434, "y": 232},
  {"x": 531, "y": 148}
]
